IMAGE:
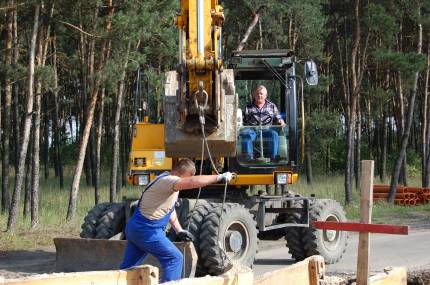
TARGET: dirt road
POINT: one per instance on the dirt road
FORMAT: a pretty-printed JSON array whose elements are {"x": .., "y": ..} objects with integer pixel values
[
  {"x": 411, "y": 251},
  {"x": 386, "y": 250}
]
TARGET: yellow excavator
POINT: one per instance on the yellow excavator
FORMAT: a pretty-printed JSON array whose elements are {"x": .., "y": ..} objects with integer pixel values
[{"x": 202, "y": 121}]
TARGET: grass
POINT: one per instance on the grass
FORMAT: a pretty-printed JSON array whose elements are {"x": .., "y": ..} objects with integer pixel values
[
  {"x": 52, "y": 215},
  {"x": 54, "y": 203},
  {"x": 332, "y": 187}
]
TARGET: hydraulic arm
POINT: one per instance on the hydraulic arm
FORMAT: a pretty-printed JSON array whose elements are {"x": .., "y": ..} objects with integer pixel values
[{"x": 200, "y": 95}]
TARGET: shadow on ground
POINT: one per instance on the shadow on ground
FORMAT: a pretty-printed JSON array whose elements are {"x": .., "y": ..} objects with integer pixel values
[
  {"x": 267, "y": 261},
  {"x": 19, "y": 263}
]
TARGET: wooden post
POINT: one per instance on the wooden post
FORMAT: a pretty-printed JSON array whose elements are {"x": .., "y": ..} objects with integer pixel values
[{"x": 366, "y": 204}]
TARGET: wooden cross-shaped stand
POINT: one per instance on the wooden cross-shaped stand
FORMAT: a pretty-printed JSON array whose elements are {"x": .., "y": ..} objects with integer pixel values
[{"x": 365, "y": 227}]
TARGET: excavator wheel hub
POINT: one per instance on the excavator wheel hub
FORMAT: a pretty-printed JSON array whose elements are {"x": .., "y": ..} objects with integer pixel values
[
  {"x": 235, "y": 241},
  {"x": 330, "y": 235}
]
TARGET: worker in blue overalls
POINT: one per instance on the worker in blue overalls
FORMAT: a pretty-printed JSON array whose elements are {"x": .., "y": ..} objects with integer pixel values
[{"x": 145, "y": 230}]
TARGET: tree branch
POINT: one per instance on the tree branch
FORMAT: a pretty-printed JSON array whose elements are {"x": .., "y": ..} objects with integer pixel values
[
  {"x": 78, "y": 29},
  {"x": 251, "y": 27}
]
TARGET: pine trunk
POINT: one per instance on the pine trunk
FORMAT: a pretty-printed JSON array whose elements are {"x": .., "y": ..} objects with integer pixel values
[
  {"x": 250, "y": 28},
  {"x": 99, "y": 134},
  {"x": 71, "y": 211},
  {"x": 115, "y": 147},
  {"x": 56, "y": 119},
  {"x": 19, "y": 176},
  {"x": 426, "y": 141},
  {"x": 384, "y": 144},
  {"x": 308, "y": 155},
  {"x": 27, "y": 190},
  {"x": 405, "y": 139},
  {"x": 357, "y": 158},
  {"x": 7, "y": 83},
  {"x": 46, "y": 139}
]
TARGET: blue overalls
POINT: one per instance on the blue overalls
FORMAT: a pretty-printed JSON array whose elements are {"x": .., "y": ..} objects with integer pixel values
[{"x": 145, "y": 236}]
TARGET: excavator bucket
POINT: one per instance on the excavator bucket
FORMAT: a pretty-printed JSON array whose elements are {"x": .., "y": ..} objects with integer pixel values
[
  {"x": 79, "y": 254},
  {"x": 223, "y": 135}
]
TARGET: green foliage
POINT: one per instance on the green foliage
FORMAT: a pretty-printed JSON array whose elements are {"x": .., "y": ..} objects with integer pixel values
[
  {"x": 379, "y": 23},
  {"x": 46, "y": 76},
  {"x": 323, "y": 129},
  {"x": 408, "y": 63}
]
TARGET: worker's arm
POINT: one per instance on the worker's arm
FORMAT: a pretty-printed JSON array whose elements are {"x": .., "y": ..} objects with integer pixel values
[
  {"x": 194, "y": 182},
  {"x": 201, "y": 180},
  {"x": 181, "y": 234},
  {"x": 174, "y": 222}
]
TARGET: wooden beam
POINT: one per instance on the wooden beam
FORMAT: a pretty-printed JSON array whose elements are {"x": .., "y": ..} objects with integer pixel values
[
  {"x": 358, "y": 227},
  {"x": 143, "y": 275},
  {"x": 366, "y": 204},
  {"x": 240, "y": 278},
  {"x": 391, "y": 276},
  {"x": 306, "y": 272}
]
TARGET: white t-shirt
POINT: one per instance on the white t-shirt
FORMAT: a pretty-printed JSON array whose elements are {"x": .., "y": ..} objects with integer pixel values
[{"x": 160, "y": 198}]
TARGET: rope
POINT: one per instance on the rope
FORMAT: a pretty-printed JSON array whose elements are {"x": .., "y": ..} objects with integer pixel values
[{"x": 205, "y": 143}]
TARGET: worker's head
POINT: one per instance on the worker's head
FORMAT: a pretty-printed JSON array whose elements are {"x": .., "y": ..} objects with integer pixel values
[
  {"x": 260, "y": 94},
  {"x": 184, "y": 168}
]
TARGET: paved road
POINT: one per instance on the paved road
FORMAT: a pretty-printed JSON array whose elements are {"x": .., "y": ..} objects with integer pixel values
[{"x": 412, "y": 251}]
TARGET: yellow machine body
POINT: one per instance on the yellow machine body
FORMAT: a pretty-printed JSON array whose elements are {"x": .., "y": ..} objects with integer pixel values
[{"x": 147, "y": 156}]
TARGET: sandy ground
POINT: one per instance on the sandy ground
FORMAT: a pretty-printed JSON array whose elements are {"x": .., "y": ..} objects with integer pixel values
[
  {"x": 21, "y": 263},
  {"x": 14, "y": 264}
]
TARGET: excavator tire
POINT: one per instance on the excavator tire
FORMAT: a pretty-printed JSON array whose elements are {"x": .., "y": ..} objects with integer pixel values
[
  {"x": 193, "y": 223},
  {"x": 104, "y": 221},
  {"x": 112, "y": 221},
  {"x": 329, "y": 244},
  {"x": 90, "y": 220},
  {"x": 293, "y": 236},
  {"x": 228, "y": 234}
]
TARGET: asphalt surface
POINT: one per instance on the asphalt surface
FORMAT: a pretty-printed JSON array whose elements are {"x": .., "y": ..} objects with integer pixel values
[{"x": 411, "y": 251}]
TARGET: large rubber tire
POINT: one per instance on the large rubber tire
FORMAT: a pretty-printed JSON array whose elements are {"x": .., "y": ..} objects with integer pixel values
[
  {"x": 104, "y": 221},
  {"x": 193, "y": 223},
  {"x": 221, "y": 224},
  {"x": 328, "y": 243},
  {"x": 112, "y": 222},
  {"x": 90, "y": 221},
  {"x": 305, "y": 242},
  {"x": 293, "y": 235}
]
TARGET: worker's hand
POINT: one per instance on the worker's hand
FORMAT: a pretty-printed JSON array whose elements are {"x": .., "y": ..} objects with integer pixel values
[
  {"x": 185, "y": 235},
  {"x": 225, "y": 177}
]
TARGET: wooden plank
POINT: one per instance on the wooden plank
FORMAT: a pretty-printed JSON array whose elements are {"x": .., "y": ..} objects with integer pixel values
[
  {"x": 316, "y": 271},
  {"x": 366, "y": 204},
  {"x": 305, "y": 272},
  {"x": 358, "y": 227},
  {"x": 391, "y": 276},
  {"x": 240, "y": 278},
  {"x": 142, "y": 275}
]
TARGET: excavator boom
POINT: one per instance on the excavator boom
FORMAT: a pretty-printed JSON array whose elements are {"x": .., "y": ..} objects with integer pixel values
[{"x": 200, "y": 95}]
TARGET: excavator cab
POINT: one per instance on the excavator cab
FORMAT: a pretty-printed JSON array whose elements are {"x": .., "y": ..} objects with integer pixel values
[{"x": 270, "y": 149}]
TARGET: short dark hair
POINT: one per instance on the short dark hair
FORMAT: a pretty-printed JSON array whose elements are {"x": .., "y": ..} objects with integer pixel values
[{"x": 185, "y": 165}]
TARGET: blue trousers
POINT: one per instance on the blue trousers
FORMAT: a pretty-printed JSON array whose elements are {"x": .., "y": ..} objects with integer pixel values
[
  {"x": 270, "y": 138},
  {"x": 145, "y": 236}
]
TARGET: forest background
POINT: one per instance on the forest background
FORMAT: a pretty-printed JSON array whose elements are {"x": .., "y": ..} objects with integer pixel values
[{"x": 68, "y": 79}]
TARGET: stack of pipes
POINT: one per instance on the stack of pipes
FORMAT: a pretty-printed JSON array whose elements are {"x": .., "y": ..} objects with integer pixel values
[{"x": 405, "y": 196}]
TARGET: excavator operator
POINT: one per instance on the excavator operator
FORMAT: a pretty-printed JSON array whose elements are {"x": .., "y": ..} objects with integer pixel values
[
  {"x": 260, "y": 112},
  {"x": 145, "y": 230}
]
